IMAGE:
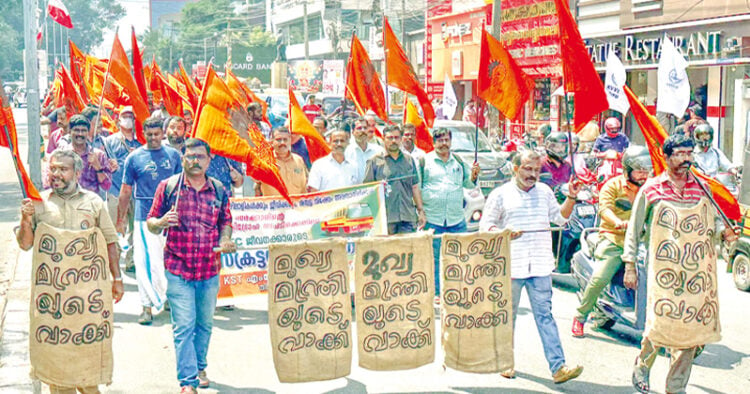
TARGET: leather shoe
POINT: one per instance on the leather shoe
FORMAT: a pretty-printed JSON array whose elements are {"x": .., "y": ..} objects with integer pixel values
[{"x": 566, "y": 373}]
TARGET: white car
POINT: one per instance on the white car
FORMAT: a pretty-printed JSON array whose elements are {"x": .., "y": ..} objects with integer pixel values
[{"x": 473, "y": 208}]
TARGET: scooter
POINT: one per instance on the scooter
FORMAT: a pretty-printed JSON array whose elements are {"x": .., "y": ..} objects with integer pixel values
[
  {"x": 568, "y": 241},
  {"x": 616, "y": 304}
]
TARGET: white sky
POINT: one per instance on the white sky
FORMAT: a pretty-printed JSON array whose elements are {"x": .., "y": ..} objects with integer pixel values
[{"x": 137, "y": 15}]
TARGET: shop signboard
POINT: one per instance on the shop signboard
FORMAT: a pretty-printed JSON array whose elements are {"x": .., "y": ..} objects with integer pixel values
[
  {"x": 638, "y": 13},
  {"x": 719, "y": 43},
  {"x": 305, "y": 75},
  {"x": 530, "y": 30},
  {"x": 333, "y": 77},
  {"x": 249, "y": 62}
]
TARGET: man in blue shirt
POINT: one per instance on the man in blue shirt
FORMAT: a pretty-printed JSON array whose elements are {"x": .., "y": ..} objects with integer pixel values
[
  {"x": 443, "y": 179},
  {"x": 118, "y": 146},
  {"x": 228, "y": 171},
  {"x": 612, "y": 139},
  {"x": 145, "y": 167}
]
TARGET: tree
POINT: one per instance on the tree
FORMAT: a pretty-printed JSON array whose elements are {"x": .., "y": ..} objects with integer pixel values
[
  {"x": 11, "y": 30},
  {"x": 90, "y": 19}
]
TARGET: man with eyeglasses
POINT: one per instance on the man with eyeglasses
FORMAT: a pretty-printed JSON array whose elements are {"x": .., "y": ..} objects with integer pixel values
[
  {"x": 145, "y": 167},
  {"x": 676, "y": 190},
  {"x": 334, "y": 170},
  {"x": 197, "y": 223}
]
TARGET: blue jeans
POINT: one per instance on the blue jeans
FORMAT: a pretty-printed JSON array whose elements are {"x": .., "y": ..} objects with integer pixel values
[
  {"x": 193, "y": 304},
  {"x": 436, "y": 242},
  {"x": 539, "y": 290}
]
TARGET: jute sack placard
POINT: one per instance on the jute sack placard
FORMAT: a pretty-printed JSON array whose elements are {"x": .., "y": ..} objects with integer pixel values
[
  {"x": 477, "y": 321},
  {"x": 395, "y": 286},
  {"x": 683, "y": 304},
  {"x": 70, "y": 333},
  {"x": 309, "y": 310}
]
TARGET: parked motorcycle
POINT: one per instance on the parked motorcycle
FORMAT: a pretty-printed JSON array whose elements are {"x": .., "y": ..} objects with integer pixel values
[{"x": 568, "y": 240}]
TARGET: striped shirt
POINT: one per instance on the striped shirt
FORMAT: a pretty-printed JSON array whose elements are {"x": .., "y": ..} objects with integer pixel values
[
  {"x": 657, "y": 189},
  {"x": 510, "y": 207},
  {"x": 443, "y": 184}
]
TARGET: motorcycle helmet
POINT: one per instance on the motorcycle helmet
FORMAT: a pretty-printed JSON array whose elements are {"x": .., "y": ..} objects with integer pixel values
[
  {"x": 556, "y": 145},
  {"x": 612, "y": 126},
  {"x": 636, "y": 158},
  {"x": 576, "y": 142},
  {"x": 703, "y": 135}
]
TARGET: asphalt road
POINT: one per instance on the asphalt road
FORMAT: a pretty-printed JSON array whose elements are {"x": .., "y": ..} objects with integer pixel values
[{"x": 240, "y": 357}]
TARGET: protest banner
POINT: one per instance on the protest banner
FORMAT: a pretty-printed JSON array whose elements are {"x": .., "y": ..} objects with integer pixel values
[
  {"x": 357, "y": 211},
  {"x": 70, "y": 330},
  {"x": 683, "y": 304},
  {"x": 477, "y": 318},
  {"x": 309, "y": 310},
  {"x": 395, "y": 286}
]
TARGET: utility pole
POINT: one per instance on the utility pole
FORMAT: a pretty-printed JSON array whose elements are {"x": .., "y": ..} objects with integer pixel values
[
  {"x": 497, "y": 16},
  {"x": 306, "y": 34},
  {"x": 403, "y": 22},
  {"x": 32, "y": 91}
]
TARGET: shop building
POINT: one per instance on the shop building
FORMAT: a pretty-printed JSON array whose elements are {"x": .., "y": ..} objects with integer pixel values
[{"x": 714, "y": 40}]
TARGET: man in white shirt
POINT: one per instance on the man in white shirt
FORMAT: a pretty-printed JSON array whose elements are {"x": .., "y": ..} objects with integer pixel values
[
  {"x": 407, "y": 142},
  {"x": 527, "y": 207},
  {"x": 361, "y": 150},
  {"x": 334, "y": 170},
  {"x": 707, "y": 157}
]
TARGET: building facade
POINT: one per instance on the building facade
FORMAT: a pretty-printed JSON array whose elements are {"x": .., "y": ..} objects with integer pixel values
[{"x": 714, "y": 38}]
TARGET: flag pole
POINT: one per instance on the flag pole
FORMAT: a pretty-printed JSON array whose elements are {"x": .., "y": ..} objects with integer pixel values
[
  {"x": 346, "y": 83},
  {"x": 476, "y": 130},
  {"x": 724, "y": 217},
  {"x": 104, "y": 85},
  {"x": 385, "y": 62},
  {"x": 570, "y": 134},
  {"x": 15, "y": 161}
]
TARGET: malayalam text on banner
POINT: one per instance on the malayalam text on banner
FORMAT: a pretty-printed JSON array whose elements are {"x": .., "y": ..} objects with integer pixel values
[
  {"x": 477, "y": 318},
  {"x": 357, "y": 211},
  {"x": 394, "y": 294},
  {"x": 309, "y": 310},
  {"x": 70, "y": 332},
  {"x": 683, "y": 303}
]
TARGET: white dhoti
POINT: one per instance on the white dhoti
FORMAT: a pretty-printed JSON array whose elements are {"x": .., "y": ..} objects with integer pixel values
[{"x": 148, "y": 256}]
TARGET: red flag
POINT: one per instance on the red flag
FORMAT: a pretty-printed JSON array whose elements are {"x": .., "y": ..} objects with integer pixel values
[
  {"x": 223, "y": 123},
  {"x": 401, "y": 74},
  {"x": 71, "y": 98},
  {"x": 140, "y": 80},
  {"x": 77, "y": 64},
  {"x": 362, "y": 81},
  {"x": 655, "y": 136},
  {"x": 422, "y": 137},
  {"x": 192, "y": 93},
  {"x": 300, "y": 124},
  {"x": 9, "y": 139},
  {"x": 501, "y": 82},
  {"x": 59, "y": 13},
  {"x": 171, "y": 97},
  {"x": 579, "y": 74},
  {"x": 119, "y": 70}
]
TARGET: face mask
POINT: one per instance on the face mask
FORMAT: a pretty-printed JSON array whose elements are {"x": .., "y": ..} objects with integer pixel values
[{"x": 126, "y": 123}]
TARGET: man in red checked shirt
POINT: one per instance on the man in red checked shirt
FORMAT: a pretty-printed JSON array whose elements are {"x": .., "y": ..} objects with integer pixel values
[{"x": 196, "y": 223}]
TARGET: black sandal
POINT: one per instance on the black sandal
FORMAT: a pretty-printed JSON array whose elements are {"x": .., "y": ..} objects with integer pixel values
[{"x": 640, "y": 385}]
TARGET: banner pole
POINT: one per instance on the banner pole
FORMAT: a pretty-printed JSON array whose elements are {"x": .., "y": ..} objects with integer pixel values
[
  {"x": 15, "y": 160},
  {"x": 724, "y": 217}
]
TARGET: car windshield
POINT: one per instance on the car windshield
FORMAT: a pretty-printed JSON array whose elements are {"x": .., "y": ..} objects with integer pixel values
[
  {"x": 330, "y": 104},
  {"x": 359, "y": 211},
  {"x": 462, "y": 140}
]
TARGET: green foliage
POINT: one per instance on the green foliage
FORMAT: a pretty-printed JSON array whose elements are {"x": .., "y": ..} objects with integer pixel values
[
  {"x": 11, "y": 31},
  {"x": 259, "y": 37},
  {"x": 90, "y": 19}
]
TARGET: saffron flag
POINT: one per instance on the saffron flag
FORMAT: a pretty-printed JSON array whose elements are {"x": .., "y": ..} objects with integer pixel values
[
  {"x": 223, "y": 123},
  {"x": 655, "y": 136},
  {"x": 673, "y": 88},
  {"x": 300, "y": 124},
  {"x": 579, "y": 74},
  {"x": 613, "y": 83},
  {"x": 245, "y": 94},
  {"x": 119, "y": 70},
  {"x": 59, "y": 13},
  {"x": 71, "y": 98},
  {"x": 77, "y": 63},
  {"x": 140, "y": 80},
  {"x": 362, "y": 82},
  {"x": 422, "y": 137},
  {"x": 192, "y": 93},
  {"x": 500, "y": 81},
  {"x": 169, "y": 95},
  {"x": 9, "y": 139},
  {"x": 401, "y": 74}
]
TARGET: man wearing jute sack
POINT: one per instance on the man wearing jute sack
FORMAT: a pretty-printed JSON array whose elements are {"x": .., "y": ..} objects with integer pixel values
[
  {"x": 70, "y": 335},
  {"x": 672, "y": 216}
]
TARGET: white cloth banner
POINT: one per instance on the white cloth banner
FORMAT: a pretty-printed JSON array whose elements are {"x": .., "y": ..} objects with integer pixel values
[
  {"x": 674, "y": 87},
  {"x": 450, "y": 102},
  {"x": 614, "y": 81}
]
